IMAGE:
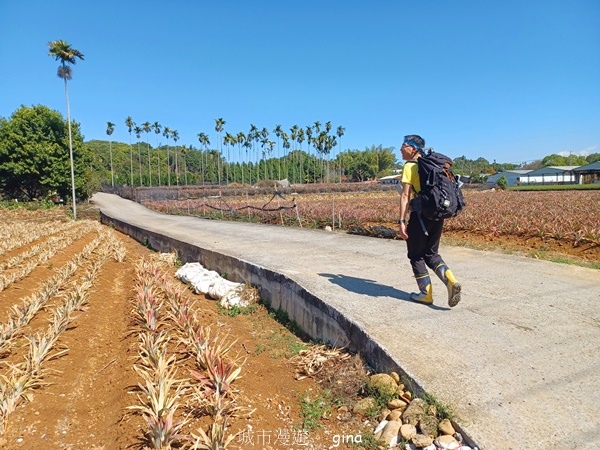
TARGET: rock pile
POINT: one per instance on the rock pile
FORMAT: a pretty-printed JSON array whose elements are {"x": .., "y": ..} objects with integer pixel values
[{"x": 409, "y": 421}]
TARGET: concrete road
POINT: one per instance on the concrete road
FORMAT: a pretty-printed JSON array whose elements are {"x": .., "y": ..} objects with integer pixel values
[{"x": 518, "y": 359}]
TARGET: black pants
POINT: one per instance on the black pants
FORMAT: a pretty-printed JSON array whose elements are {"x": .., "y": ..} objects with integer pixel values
[{"x": 423, "y": 249}]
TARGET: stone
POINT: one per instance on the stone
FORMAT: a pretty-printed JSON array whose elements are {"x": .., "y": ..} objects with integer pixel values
[
  {"x": 395, "y": 415},
  {"x": 429, "y": 426},
  {"x": 432, "y": 410},
  {"x": 379, "y": 429},
  {"x": 363, "y": 405},
  {"x": 446, "y": 442},
  {"x": 397, "y": 404},
  {"x": 396, "y": 377},
  {"x": 384, "y": 413},
  {"x": 446, "y": 427},
  {"x": 383, "y": 383},
  {"x": 390, "y": 431},
  {"x": 407, "y": 396},
  {"x": 408, "y": 431},
  {"x": 413, "y": 413},
  {"x": 420, "y": 440}
]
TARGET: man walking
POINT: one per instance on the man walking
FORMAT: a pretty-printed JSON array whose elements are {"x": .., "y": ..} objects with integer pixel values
[{"x": 421, "y": 234}]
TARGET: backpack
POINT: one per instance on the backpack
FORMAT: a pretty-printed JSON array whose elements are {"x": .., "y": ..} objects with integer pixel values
[{"x": 440, "y": 196}]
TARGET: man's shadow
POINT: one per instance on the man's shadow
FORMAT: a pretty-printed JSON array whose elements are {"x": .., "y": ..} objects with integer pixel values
[{"x": 371, "y": 288}]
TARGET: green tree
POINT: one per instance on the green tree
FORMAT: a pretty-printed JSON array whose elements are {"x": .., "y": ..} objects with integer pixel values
[
  {"x": 592, "y": 158},
  {"x": 34, "y": 156},
  {"x": 502, "y": 182},
  {"x": 110, "y": 128},
  {"x": 67, "y": 55}
]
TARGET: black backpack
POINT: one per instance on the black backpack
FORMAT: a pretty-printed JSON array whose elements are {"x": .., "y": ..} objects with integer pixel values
[{"x": 440, "y": 196}]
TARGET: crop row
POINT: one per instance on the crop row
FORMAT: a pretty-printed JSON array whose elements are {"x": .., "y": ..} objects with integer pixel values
[
  {"x": 570, "y": 216},
  {"x": 41, "y": 253},
  {"x": 17, "y": 234},
  {"x": 164, "y": 316},
  {"x": 21, "y": 378}
]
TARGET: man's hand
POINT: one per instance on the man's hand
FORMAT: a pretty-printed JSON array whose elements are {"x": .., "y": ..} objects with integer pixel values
[{"x": 403, "y": 234}]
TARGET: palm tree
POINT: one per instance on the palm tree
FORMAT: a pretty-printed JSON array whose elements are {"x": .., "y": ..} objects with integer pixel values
[
  {"x": 147, "y": 128},
  {"x": 278, "y": 130},
  {"x": 247, "y": 144},
  {"x": 293, "y": 136},
  {"x": 203, "y": 139},
  {"x": 286, "y": 148},
  {"x": 241, "y": 139},
  {"x": 340, "y": 132},
  {"x": 67, "y": 55},
  {"x": 227, "y": 140},
  {"x": 309, "y": 131},
  {"x": 219, "y": 123},
  {"x": 110, "y": 128},
  {"x": 184, "y": 151},
  {"x": 157, "y": 130},
  {"x": 138, "y": 134},
  {"x": 129, "y": 123},
  {"x": 167, "y": 134},
  {"x": 175, "y": 136},
  {"x": 253, "y": 136}
]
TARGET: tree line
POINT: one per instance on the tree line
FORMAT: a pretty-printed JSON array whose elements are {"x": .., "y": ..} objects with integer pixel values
[{"x": 35, "y": 162}]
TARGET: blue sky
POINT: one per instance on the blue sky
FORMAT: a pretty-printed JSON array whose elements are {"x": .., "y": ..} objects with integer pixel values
[{"x": 509, "y": 80}]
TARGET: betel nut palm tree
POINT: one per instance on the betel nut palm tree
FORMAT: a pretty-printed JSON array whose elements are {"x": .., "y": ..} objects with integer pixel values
[
  {"x": 67, "y": 55},
  {"x": 138, "y": 135},
  {"x": 147, "y": 127},
  {"x": 110, "y": 128},
  {"x": 219, "y": 124},
  {"x": 157, "y": 129},
  {"x": 129, "y": 123}
]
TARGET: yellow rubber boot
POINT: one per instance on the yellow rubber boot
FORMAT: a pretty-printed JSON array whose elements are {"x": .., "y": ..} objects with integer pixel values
[
  {"x": 449, "y": 280},
  {"x": 425, "y": 294}
]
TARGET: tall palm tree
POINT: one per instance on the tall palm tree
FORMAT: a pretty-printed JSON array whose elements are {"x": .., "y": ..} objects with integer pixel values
[
  {"x": 219, "y": 124},
  {"x": 340, "y": 132},
  {"x": 184, "y": 151},
  {"x": 157, "y": 129},
  {"x": 278, "y": 130},
  {"x": 147, "y": 127},
  {"x": 175, "y": 136},
  {"x": 167, "y": 134},
  {"x": 138, "y": 134},
  {"x": 129, "y": 123},
  {"x": 67, "y": 55},
  {"x": 241, "y": 139},
  {"x": 286, "y": 148},
  {"x": 110, "y": 128},
  {"x": 253, "y": 136},
  {"x": 227, "y": 140},
  {"x": 247, "y": 145},
  {"x": 203, "y": 139},
  {"x": 293, "y": 137}
]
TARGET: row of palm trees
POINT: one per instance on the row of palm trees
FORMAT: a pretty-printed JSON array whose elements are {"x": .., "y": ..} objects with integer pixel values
[{"x": 316, "y": 136}]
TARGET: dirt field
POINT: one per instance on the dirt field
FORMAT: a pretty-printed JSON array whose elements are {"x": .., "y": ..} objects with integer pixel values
[
  {"x": 78, "y": 394},
  {"x": 80, "y": 397}
]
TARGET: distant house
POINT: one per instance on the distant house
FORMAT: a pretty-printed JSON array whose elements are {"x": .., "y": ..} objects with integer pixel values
[
  {"x": 588, "y": 174},
  {"x": 551, "y": 175},
  {"x": 512, "y": 176},
  {"x": 391, "y": 179}
]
